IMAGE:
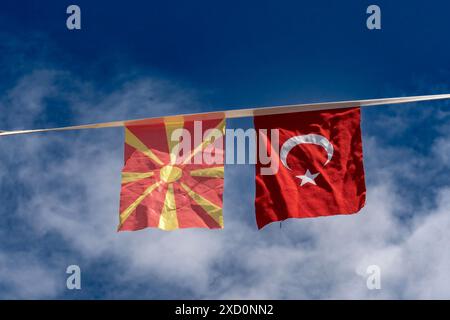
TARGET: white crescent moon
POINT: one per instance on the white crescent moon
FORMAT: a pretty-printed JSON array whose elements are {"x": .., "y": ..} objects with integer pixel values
[{"x": 306, "y": 139}]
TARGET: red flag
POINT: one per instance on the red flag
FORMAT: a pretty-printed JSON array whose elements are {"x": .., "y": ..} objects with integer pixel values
[
  {"x": 320, "y": 166},
  {"x": 165, "y": 188}
]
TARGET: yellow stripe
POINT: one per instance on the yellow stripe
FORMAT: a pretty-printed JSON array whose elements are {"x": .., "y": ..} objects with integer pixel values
[
  {"x": 127, "y": 212},
  {"x": 171, "y": 126},
  {"x": 214, "y": 211},
  {"x": 135, "y": 176},
  {"x": 134, "y": 141},
  {"x": 168, "y": 219},
  {"x": 215, "y": 172},
  {"x": 206, "y": 141}
]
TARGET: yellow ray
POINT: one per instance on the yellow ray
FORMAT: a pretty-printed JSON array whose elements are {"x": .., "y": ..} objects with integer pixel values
[
  {"x": 171, "y": 126},
  {"x": 206, "y": 141},
  {"x": 134, "y": 141},
  {"x": 128, "y": 177},
  {"x": 214, "y": 172},
  {"x": 168, "y": 219},
  {"x": 213, "y": 210},
  {"x": 127, "y": 212}
]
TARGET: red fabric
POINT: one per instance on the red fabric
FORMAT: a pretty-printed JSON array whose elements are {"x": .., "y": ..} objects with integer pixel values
[
  {"x": 189, "y": 213},
  {"x": 340, "y": 186}
]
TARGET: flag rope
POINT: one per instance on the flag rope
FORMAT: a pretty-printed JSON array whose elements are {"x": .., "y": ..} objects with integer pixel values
[{"x": 242, "y": 113}]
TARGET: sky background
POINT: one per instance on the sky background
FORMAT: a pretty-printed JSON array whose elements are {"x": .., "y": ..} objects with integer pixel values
[{"x": 59, "y": 192}]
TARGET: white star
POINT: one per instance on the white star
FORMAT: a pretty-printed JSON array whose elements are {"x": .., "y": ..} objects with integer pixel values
[{"x": 308, "y": 177}]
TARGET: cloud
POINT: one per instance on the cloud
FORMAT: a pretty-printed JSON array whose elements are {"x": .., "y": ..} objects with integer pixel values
[
  {"x": 26, "y": 100},
  {"x": 19, "y": 273},
  {"x": 67, "y": 190},
  {"x": 71, "y": 182}
]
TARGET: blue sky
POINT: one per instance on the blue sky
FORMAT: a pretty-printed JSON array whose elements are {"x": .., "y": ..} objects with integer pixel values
[{"x": 59, "y": 192}]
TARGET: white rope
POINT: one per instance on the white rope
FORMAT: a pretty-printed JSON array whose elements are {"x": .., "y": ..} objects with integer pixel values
[{"x": 242, "y": 113}]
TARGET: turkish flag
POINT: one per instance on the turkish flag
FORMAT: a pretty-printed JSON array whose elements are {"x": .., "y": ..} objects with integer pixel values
[{"x": 320, "y": 170}]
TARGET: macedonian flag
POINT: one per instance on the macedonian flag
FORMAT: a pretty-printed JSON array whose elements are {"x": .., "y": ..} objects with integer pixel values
[{"x": 173, "y": 175}]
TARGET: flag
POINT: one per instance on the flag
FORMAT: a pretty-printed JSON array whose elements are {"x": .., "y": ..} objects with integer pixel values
[
  {"x": 173, "y": 183},
  {"x": 320, "y": 165}
]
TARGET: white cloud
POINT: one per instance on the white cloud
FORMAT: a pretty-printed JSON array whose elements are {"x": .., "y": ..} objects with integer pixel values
[
  {"x": 22, "y": 276},
  {"x": 25, "y": 101},
  {"x": 74, "y": 194}
]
